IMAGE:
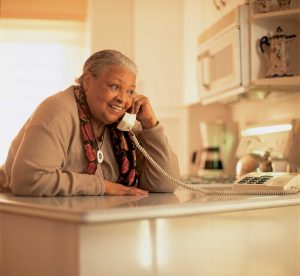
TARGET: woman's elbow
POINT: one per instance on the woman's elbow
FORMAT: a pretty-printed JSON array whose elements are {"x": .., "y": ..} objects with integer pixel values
[
  {"x": 25, "y": 186},
  {"x": 21, "y": 188}
]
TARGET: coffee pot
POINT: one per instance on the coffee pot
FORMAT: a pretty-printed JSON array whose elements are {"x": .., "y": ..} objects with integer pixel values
[
  {"x": 208, "y": 161},
  {"x": 276, "y": 50}
]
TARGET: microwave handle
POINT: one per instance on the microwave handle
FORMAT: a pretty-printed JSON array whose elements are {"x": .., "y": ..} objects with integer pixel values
[{"x": 205, "y": 77}]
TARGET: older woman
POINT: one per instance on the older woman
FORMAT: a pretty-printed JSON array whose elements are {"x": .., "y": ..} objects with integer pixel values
[{"x": 71, "y": 146}]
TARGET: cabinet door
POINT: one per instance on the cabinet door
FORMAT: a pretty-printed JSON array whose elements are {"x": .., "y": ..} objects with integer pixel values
[{"x": 219, "y": 66}]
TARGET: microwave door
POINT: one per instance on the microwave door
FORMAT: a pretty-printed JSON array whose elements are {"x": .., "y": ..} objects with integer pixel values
[
  {"x": 219, "y": 64},
  {"x": 225, "y": 62}
]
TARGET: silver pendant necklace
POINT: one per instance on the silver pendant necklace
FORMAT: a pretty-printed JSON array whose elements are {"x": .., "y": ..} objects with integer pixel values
[{"x": 100, "y": 155}]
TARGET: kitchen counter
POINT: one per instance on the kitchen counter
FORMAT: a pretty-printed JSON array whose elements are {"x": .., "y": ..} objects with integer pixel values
[
  {"x": 95, "y": 209},
  {"x": 158, "y": 234}
]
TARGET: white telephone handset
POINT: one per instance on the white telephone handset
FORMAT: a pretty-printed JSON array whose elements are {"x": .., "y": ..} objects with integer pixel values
[
  {"x": 249, "y": 184},
  {"x": 127, "y": 122}
]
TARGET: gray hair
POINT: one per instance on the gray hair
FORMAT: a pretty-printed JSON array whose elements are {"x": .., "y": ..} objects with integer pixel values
[{"x": 100, "y": 60}]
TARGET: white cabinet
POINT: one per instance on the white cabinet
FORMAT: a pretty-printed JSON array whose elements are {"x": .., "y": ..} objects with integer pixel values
[
  {"x": 197, "y": 17},
  {"x": 255, "y": 73},
  {"x": 266, "y": 24},
  {"x": 223, "y": 57}
]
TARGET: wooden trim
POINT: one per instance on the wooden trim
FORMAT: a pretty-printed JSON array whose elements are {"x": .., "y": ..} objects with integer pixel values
[{"x": 230, "y": 19}]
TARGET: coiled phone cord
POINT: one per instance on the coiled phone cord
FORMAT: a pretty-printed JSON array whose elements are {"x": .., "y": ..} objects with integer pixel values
[{"x": 195, "y": 188}]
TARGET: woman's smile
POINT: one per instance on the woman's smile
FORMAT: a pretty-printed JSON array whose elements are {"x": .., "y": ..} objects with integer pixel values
[{"x": 117, "y": 108}]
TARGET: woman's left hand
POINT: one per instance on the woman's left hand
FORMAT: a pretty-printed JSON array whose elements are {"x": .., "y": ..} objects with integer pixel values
[{"x": 142, "y": 107}]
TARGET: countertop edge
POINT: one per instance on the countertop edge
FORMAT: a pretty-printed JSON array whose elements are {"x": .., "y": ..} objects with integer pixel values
[
  {"x": 182, "y": 210},
  {"x": 143, "y": 212}
]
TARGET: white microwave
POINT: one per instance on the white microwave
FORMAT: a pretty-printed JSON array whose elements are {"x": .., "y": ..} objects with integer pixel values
[{"x": 223, "y": 57}]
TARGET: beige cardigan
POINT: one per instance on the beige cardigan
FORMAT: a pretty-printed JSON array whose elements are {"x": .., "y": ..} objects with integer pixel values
[{"x": 47, "y": 157}]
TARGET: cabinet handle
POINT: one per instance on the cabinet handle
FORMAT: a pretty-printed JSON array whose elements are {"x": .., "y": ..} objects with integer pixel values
[{"x": 205, "y": 70}]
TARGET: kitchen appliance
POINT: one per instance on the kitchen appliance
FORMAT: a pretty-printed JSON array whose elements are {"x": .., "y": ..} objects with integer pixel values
[
  {"x": 208, "y": 159},
  {"x": 223, "y": 56},
  {"x": 276, "y": 50},
  {"x": 209, "y": 162},
  {"x": 273, "y": 146},
  {"x": 216, "y": 157}
]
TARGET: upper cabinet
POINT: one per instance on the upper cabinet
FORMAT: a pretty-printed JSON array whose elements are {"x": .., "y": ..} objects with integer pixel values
[
  {"x": 253, "y": 46},
  {"x": 199, "y": 16},
  {"x": 223, "y": 57},
  {"x": 274, "y": 44}
]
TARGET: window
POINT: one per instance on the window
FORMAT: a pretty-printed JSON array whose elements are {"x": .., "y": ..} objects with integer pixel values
[{"x": 37, "y": 59}]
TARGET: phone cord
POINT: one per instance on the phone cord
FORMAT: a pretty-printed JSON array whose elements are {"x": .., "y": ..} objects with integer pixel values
[{"x": 208, "y": 191}]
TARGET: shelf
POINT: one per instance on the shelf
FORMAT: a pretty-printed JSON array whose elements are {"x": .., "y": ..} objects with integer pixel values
[
  {"x": 224, "y": 97},
  {"x": 282, "y": 83},
  {"x": 291, "y": 15}
]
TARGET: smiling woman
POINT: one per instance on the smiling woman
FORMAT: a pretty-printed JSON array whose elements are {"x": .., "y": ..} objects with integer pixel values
[
  {"x": 37, "y": 57},
  {"x": 56, "y": 151}
]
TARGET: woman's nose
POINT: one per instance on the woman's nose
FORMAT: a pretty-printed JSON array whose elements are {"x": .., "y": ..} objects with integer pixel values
[{"x": 122, "y": 96}]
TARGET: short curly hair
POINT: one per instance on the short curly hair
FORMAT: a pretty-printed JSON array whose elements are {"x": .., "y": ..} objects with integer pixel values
[{"x": 100, "y": 60}]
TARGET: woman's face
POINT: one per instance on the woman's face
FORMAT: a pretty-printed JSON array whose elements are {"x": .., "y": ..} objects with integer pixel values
[{"x": 110, "y": 94}]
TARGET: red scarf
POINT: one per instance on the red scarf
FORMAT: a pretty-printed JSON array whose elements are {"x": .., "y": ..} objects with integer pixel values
[{"x": 123, "y": 147}]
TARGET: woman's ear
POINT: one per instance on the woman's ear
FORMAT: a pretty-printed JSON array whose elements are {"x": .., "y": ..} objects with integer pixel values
[{"x": 86, "y": 81}]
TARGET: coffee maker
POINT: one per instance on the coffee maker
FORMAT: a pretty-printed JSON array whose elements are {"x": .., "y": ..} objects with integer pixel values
[
  {"x": 218, "y": 139},
  {"x": 272, "y": 146}
]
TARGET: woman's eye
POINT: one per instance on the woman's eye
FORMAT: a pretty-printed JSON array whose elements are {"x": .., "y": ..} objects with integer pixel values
[
  {"x": 115, "y": 86},
  {"x": 130, "y": 92}
]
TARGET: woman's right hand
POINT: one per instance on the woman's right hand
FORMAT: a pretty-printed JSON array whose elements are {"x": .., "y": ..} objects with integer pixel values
[{"x": 112, "y": 188}]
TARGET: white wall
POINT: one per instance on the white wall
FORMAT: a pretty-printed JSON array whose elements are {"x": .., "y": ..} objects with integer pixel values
[
  {"x": 277, "y": 106},
  {"x": 158, "y": 50},
  {"x": 110, "y": 26},
  {"x": 150, "y": 32},
  {"x": 158, "y": 44}
]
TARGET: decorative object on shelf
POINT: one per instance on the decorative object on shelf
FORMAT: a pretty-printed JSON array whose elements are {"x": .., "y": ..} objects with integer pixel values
[
  {"x": 283, "y": 4},
  {"x": 276, "y": 50},
  {"x": 263, "y": 5}
]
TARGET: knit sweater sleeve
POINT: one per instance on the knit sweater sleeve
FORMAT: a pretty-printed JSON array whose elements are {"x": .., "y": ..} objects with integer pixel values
[
  {"x": 155, "y": 142},
  {"x": 47, "y": 156},
  {"x": 38, "y": 168}
]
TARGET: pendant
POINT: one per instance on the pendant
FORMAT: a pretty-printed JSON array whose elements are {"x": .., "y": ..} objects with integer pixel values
[{"x": 100, "y": 156}]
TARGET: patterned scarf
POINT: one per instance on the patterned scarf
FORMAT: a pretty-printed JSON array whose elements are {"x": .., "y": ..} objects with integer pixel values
[{"x": 123, "y": 147}]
